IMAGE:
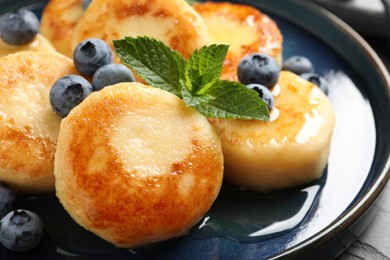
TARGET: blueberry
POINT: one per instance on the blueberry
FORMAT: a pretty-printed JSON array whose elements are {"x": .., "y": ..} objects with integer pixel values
[
  {"x": 68, "y": 92},
  {"x": 90, "y": 55},
  {"x": 298, "y": 65},
  {"x": 264, "y": 93},
  {"x": 258, "y": 68},
  {"x": 86, "y": 3},
  {"x": 111, "y": 74},
  {"x": 316, "y": 79},
  {"x": 7, "y": 198},
  {"x": 18, "y": 27},
  {"x": 21, "y": 230}
]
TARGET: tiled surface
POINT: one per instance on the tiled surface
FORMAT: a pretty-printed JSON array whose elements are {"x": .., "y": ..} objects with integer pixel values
[{"x": 374, "y": 242}]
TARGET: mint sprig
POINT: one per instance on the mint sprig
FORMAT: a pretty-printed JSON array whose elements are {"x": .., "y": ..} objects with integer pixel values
[{"x": 196, "y": 80}]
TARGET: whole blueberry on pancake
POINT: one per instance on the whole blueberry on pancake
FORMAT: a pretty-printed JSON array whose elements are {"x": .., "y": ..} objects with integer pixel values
[{"x": 90, "y": 55}]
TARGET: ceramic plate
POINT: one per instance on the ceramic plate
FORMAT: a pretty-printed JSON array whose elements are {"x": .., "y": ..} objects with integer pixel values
[{"x": 320, "y": 219}]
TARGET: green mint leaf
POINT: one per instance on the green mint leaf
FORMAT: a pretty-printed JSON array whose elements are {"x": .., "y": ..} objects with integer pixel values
[
  {"x": 204, "y": 67},
  {"x": 233, "y": 100},
  {"x": 155, "y": 62},
  {"x": 194, "y": 100},
  {"x": 196, "y": 80}
]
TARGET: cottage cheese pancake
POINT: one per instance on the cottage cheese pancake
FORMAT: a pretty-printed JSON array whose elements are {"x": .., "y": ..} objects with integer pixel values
[
  {"x": 40, "y": 43},
  {"x": 59, "y": 19},
  {"x": 289, "y": 151},
  {"x": 245, "y": 29},
  {"x": 174, "y": 22},
  {"x": 134, "y": 165},
  {"x": 28, "y": 125}
]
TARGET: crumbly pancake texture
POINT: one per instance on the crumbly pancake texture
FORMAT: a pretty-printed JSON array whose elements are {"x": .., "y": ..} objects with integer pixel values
[
  {"x": 245, "y": 29},
  {"x": 39, "y": 43},
  {"x": 134, "y": 165},
  {"x": 289, "y": 151},
  {"x": 59, "y": 20},
  {"x": 173, "y": 22},
  {"x": 28, "y": 125}
]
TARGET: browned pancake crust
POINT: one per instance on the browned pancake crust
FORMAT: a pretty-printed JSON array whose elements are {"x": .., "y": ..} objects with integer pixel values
[
  {"x": 59, "y": 19},
  {"x": 125, "y": 207},
  {"x": 269, "y": 39},
  {"x": 39, "y": 43},
  {"x": 289, "y": 151},
  {"x": 27, "y": 153},
  {"x": 186, "y": 30}
]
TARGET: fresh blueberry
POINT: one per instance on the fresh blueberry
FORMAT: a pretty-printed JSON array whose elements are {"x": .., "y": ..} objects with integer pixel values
[
  {"x": 264, "y": 93},
  {"x": 90, "y": 55},
  {"x": 316, "y": 79},
  {"x": 68, "y": 92},
  {"x": 298, "y": 65},
  {"x": 86, "y": 3},
  {"x": 258, "y": 68},
  {"x": 21, "y": 230},
  {"x": 18, "y": 27},
  {"x": 111, "y": 74},
  {"x": 7, "y": 198}
]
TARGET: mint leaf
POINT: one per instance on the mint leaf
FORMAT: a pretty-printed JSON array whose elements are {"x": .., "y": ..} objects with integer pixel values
[
  {"x": 194, "y": 100},
  {"x": 196, "y": 80},
  {"x": 155, "y": 62},
  {"x": 204, "y": 66},
  {"x": 233, "y": 100}
]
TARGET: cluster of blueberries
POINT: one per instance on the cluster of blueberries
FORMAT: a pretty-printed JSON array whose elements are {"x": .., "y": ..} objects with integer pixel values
[
  {"x": 92, "y": 58},
  {"x": 304, "y": 67},
  {"x": 20, "y": 229},
  {"x": 261, "y": 72}
]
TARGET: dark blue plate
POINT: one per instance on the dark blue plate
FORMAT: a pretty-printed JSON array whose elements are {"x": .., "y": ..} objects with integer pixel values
[{"x": 318, "y": 220}]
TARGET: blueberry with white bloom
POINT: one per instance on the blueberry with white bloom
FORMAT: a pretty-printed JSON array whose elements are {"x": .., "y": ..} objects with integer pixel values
[
  {"x": 21, "y": 230},
  {"x": 67, "y": 92},
  {"x": 18, "y": 27},
  {"x": 260, "y": 69},
  {"x": 89, "y": 55},
  {"x": 264, "y": 93},
  {"x": 298, "y": 65},
  {"x": 318, "y": 80},
  {"x": 111, "y": 74}
]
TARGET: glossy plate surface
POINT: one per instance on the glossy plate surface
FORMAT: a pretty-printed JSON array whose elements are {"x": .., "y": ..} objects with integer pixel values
[{"x": 298, "y": 222}]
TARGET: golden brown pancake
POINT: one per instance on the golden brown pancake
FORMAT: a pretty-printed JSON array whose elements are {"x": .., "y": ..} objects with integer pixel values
[
  {"x": 134, "y": 165},
  {"x": 39, "y": 43},
  {"x": 59, "y": 19},
  {"x": 289, "y": 151},
  {"x": 174, "y": 22},
  {"x": 28, "y": 125},
  {"x": 246, "y": 29}
]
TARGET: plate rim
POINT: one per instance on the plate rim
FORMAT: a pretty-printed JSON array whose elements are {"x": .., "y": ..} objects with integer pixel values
[{"x": 358, "y": 209}]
